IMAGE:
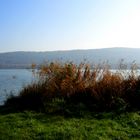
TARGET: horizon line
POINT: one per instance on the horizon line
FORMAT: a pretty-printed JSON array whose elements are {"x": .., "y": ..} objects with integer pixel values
[{"x": 37, "y": 51}]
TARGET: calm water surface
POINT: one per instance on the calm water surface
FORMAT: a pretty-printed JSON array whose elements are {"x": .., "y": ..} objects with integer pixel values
[{"x": 12, "y": 81}]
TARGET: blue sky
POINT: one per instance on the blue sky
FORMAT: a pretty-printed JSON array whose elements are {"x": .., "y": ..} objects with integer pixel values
[{"x": 47, "y": 25}]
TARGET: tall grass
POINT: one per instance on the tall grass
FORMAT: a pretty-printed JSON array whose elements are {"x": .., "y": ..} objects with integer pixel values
[{"x": 69, "y": 87}]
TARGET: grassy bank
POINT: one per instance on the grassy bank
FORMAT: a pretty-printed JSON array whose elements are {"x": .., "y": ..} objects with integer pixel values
[
  {"x": 103, "y": 126},
  {"x": 73, "y": 102}
]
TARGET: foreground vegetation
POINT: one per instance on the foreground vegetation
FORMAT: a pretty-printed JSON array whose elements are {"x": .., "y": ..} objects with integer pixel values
[
  {"x": 103, "y": 126},
  {"x": 75, "y": 102},
  {"x": 69, "y": 88}
]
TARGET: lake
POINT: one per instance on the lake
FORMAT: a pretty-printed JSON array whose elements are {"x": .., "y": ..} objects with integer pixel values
[{"x": 12, "y": 81}]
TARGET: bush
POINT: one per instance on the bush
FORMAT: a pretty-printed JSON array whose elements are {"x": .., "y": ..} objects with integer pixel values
[{"x": 62, "y": 87}]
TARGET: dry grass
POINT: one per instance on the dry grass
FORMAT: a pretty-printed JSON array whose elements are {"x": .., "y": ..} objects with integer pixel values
[{"x": 95, "y": 87}]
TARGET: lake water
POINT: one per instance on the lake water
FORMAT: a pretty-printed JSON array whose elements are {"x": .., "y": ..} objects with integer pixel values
[{"x": 12, "y": 81}]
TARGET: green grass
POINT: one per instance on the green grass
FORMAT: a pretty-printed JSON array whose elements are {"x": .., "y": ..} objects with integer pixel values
[{"x": 101, "y": 126}]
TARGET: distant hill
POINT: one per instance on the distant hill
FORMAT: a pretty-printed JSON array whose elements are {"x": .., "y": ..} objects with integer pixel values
[{"x": 112, "y": 55}]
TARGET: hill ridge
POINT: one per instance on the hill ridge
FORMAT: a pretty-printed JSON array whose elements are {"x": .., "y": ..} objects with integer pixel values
[{"x": 24, "y": 59}]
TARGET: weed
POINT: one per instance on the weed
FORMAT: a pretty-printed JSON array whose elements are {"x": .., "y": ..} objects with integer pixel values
[{"x": 62, "y": 87}]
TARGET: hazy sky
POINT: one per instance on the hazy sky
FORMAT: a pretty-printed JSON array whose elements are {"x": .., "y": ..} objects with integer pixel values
[{"x": 45, "y": 25}]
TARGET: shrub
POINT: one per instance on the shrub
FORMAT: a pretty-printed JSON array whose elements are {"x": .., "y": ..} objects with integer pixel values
[{"x": 66, "y": 86}]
